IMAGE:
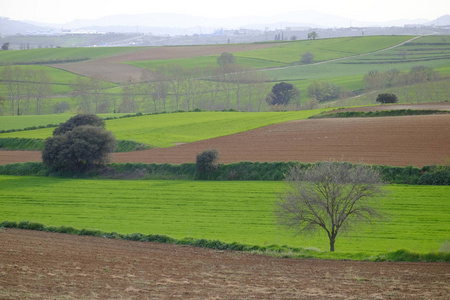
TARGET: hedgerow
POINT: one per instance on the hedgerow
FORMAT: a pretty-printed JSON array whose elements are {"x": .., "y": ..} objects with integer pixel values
[
  {"x": 283, "y": 251},
  {"x": 384, "y": 113},
  {"x": 255, "y": 171},
  {"x": 38, "y": 145}
]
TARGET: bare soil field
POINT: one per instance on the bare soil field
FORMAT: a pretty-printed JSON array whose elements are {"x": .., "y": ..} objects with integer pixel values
[
  {"x": 395, "y": 141},
  {"x": 418, "y": 106},
  {"x": 40, "y": 265},
  {"x": 112, "y": 69}
]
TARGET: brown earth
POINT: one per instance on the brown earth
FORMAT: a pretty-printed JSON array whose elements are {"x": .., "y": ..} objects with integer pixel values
[
  {"x": 395, "y": 141},
  {"x": 417, "y": 106},
  {"x": 40, "y": 265},
  {"x": 112, "y": 69}
]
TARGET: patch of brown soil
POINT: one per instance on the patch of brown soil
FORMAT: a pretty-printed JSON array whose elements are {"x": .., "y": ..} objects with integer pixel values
[
  {"x": 396, "y": 141},
  {"x": 112, "y": 69},
  {"x": 112, "y": 72},
  {"x": 417, "y": 106},
  {"x": 10, "y": 157},
  {"x": 39, "y": 265}
]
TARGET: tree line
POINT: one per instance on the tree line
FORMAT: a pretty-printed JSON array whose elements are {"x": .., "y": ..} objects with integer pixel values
[{"x": 25, "y": 85}]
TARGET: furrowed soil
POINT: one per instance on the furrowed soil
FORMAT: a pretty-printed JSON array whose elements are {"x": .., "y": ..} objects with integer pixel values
[
  {"x": 396, "y": 141},
  {"x": 41, "y": 265}
]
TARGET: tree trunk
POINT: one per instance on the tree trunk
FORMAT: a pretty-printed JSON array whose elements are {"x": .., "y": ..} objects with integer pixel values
[{"x": 332, "y": 240}]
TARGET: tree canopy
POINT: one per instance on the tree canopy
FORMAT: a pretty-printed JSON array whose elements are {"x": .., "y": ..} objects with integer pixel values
[
  {"x": 282, "y": 93},
  {"x": 226, "y": 59},
  {"x": 329, "y": 196},
  {"x": 78, "y": 145}
]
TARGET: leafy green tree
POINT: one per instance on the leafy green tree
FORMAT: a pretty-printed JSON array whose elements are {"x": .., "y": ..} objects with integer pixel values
[
  {"x": 312, "y": 35},
  {"x": 77, "y": 146},
  {"x": 329, "y": 196},
  {"x": 282, "y": 93},
  {"x": 79, "y": 120},
  {"x": 206, "y": 163},
  {"x": 226, "y": 59}
]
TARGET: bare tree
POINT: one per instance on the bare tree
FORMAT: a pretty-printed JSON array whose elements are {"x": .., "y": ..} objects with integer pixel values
[
  {"x": 307, "y": 58},
  {"x": 89, "y": 94},
  {"x": 12, "y": 76},
  {"x": 41, "y": 89},
  {"x": 331, "y": 196},
  {"x": 129, "y": 96}
]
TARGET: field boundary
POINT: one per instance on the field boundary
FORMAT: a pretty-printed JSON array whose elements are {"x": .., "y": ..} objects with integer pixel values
[{"x": 272, "y": 250}]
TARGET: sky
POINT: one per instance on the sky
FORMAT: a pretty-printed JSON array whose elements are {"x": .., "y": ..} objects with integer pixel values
[{"x": 55, "y": 11}]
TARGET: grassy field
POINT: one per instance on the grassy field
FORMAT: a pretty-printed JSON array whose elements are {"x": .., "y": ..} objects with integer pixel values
[
  {"x": 53, "y": 54},
  {"x": 417, "y": 216},
  {"x": 324, "y": 49},
  {"x": 205, "y": 62},
  {"x": 20, "y": 122},
  {"x": 281, "y": 63},
  {"x": 165, "y": 130}
]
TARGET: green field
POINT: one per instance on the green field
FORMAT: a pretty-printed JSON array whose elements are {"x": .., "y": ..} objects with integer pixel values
[
  {"x": 358, "y": 56},
  {"x": 20, "y": 122},
  {"x": 417, "y": 216},
  {"x": 53, "y": 54},
  {"x": 165, "y": 130},
  {"x": 324, "y": 49}
]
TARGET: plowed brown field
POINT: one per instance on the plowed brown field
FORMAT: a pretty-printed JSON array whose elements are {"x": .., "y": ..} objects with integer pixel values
[
  {"x": 39, "y": 265},
  {"x": 396, "y": 141}
]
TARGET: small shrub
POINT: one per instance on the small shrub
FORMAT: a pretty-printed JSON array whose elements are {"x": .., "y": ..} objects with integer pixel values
[
  {"x": 206, "y": 163},
  {"x": 387, "y": 98}
]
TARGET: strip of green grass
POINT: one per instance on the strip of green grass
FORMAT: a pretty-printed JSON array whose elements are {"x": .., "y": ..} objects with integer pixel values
[
  {"x": 24, "y": 121},
  {"x": 417, "y": 216},
  {"x": 43, "y": 55},
  {"x": 204, "y": 62},
  {"x": 165, "y": 130},
  {"x": 324, "y": 49}
]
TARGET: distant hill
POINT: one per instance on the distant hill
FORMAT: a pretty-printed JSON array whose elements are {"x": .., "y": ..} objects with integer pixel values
[
  {"x": 181, "y": 24},
  {"x": 12, "y": 27},
  {"x": 441, "y": 21}
]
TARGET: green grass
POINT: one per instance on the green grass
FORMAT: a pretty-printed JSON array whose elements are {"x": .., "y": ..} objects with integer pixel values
[
  {"x": 43, "y": 55},
  {"x": 324, "y": 49},
  {"x": 24, "y": 121},
  {"x": 204, "y": 62},
  {"x": 228, "y": 211},
  {"x": 165, "y": 130}
]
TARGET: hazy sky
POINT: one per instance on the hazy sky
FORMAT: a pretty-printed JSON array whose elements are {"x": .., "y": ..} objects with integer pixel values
[{"x": 55, "y": 11}]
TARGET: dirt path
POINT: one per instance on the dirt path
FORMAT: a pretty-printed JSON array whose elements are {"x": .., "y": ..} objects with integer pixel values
[{"x": 39, "y": 265}]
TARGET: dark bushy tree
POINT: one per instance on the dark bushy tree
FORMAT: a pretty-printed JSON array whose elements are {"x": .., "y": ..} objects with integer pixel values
[
  {"x": 282, "y": 93},
  {"x": 206, "y": 163},
  {"x": 387, "y": 98},
  {"x": 79, "y": 147},
  {"x": 226, "y": 59},
  {"x": 79, "y": 120}
]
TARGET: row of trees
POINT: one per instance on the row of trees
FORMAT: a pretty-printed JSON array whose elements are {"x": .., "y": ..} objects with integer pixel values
[
  {"x": 174, "y": 87},
  {"x": 24, "y": 85},
  {"x": 376, "y": 80}
]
